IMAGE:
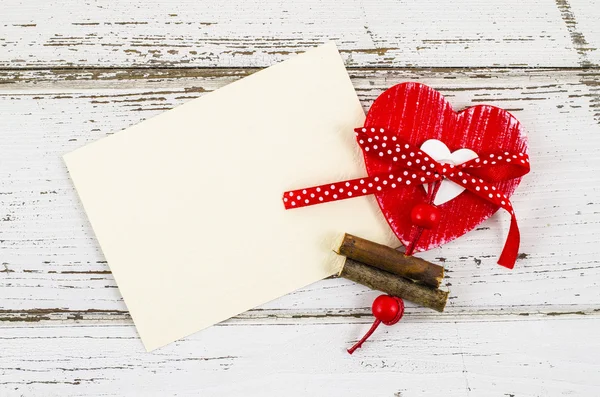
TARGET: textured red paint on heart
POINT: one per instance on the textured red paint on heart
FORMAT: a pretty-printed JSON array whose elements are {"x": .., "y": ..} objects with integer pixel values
[{"x": 417, "y": 113}]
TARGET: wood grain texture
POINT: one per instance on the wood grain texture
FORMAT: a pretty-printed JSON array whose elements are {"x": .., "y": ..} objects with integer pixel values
[
  {"x": 394, "y": 285},
  {"x": 251, "y": 33},
  {"x": 488, "y": 357},
  {"x": 581, "y": 19},
  {"x": 391, "y": 260},
  {"x": 73, "y": 72}
]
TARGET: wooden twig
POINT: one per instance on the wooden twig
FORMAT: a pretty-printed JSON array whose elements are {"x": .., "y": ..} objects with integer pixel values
[
  {"x": 391, "y": 260},
  {"x": 394, "y": 285}
]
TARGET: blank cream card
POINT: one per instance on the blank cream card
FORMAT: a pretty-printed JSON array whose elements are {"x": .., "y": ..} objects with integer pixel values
[{"x": 187, "y": 207}]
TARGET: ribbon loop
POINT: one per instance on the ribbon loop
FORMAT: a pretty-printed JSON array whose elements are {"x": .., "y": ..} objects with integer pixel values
[{"x": 499, "y": 166}]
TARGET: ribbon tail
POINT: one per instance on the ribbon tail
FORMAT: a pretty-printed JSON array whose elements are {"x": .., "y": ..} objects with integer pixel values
[
  {"x": 488, "y": 192},
  {"x": 510, "y": 252}
]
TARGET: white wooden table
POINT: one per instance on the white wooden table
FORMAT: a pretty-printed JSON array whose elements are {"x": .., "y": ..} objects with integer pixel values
[{"x": 72, "y": 72}]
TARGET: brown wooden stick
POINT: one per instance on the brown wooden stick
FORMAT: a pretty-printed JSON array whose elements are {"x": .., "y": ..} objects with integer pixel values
[
  {"x": 394, "y": 285},
  {"x": 391, "y": 260}
]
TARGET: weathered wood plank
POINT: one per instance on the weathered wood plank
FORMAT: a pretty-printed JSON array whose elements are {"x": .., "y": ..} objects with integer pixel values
[
  {"x": 529, "y": 357},
  {"x": 581, "y": 19},
  {"x": 249, "y": 33},
  {"x": 64, "y": 329},
  {"x": 50, "y": 261}
]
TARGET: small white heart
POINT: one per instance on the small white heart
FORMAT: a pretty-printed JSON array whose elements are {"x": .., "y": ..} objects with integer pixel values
[{"x": 438, "y": 151}]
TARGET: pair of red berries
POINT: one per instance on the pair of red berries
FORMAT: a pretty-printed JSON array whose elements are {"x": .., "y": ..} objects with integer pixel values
[{"x": 389, "y": 309}]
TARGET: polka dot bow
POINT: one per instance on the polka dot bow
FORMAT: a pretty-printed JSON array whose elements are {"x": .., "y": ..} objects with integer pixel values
[{"x": 409, "y": 165}]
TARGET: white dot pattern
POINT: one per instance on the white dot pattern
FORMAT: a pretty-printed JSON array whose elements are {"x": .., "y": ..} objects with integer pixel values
[{"x": 414, "y": 166}]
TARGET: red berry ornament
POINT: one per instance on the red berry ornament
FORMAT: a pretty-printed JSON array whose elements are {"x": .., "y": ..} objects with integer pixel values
[
  {"x": 387, "y": 309},
  {"x": 425, "y": 215}
]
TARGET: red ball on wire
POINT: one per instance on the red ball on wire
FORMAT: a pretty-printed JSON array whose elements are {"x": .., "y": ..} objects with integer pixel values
[
  {"x": 425, "y": 215},
  {"x": 387, "y": 309}
]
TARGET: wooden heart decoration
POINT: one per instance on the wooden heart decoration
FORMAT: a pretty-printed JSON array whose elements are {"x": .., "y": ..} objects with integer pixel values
[
  {"x": 417, "y": 113},
  {"x": 440, "y": 153}
]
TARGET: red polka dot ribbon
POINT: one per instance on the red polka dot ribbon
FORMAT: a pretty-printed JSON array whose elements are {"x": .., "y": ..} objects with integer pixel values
[{"x": 410, "y": 165}]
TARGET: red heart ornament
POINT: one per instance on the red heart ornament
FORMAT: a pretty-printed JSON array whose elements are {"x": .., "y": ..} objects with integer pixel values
[{"x": 416, "y": 113}]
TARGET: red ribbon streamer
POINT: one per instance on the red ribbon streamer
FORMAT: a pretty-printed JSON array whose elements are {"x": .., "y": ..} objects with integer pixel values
[{"x": 413, "y": 166}]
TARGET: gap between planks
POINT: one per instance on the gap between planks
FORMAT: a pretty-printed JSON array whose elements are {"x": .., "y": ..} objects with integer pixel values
[
  {"x": 413, "y": 68},
  {"x": 290, "y": 316},
  {"x": 260, "y": 33}
]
